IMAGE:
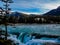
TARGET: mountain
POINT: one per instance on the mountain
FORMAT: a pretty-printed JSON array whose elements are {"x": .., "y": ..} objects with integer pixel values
[
  {"x": 16, "y": 14},
  {"x": 54, "y": 12}
]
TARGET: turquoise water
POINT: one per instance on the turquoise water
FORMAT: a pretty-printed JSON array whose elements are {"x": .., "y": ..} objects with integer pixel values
[
  {"x": 27, "y": 29},
  {"x": 53, "y": 29}
]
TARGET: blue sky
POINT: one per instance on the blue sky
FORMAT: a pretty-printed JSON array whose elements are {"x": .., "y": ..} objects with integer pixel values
[{"x": 34, "y": 6}]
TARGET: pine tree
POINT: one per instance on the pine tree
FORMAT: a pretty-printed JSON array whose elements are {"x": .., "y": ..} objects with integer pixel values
[{"x": 6, "y": 2}]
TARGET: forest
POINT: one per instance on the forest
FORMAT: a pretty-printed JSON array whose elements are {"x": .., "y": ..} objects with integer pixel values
[{"x": 29, "y": 19}]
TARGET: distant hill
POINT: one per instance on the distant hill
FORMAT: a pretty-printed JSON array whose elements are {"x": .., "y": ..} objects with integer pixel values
[
  {"x": 54, "y": 12},
  {"x": 21, "y": 14},
  {"x": 16, "y": 14}
]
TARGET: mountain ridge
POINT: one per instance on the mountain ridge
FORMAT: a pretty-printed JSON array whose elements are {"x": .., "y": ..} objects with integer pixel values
[{"x": 54, "y": 12}]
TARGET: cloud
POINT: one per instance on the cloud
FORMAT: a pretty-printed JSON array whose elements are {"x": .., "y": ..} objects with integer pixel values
[
  {"x": 35, "y": 6},
  {"x": 35, "y": 3},
  {"x": 50, "y": 6}
]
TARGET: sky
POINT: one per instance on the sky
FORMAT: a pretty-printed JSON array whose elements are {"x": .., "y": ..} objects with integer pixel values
[{"x": 34, "y": 6}]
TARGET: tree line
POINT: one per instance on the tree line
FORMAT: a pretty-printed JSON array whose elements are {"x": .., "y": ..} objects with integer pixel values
[{"x": 30, "y": 19}]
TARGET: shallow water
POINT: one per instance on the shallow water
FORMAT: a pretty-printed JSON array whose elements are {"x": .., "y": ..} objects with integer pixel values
[
  {"x": 53, "y": 29},
  {"x": 26, "y": 29}
]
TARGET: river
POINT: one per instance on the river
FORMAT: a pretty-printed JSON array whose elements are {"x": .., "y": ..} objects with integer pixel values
[{"x": 27, "y": 29}]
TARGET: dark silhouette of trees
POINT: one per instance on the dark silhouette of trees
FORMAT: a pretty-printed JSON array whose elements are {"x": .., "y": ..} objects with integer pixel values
[
  {"x": 5, "y": 19},
  {"x": 31, "y": 19}
]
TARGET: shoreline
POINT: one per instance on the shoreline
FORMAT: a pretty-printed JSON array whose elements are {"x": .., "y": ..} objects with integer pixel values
[{"x": 13, "y": 24}]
